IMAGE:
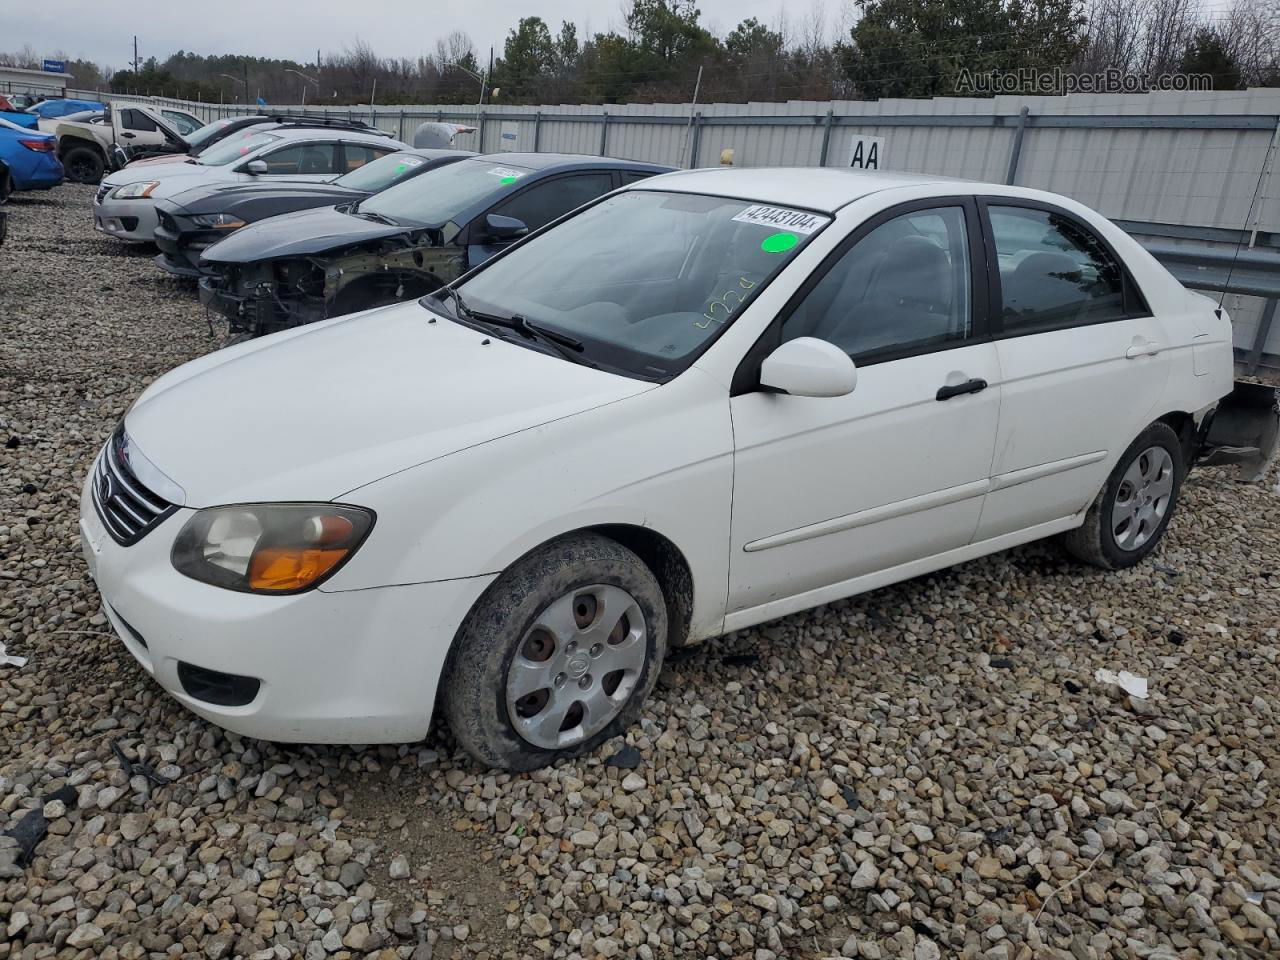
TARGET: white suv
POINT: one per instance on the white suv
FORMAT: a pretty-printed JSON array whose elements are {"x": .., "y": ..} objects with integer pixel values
[{"x": 124, "y": 207}]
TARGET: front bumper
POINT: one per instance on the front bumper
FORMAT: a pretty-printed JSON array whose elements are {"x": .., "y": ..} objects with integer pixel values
[
  {"x": 133, "y": 221},
  {"x": 181, "y": 249},
  {"x": 331, "y": 666},
  {"x": 214, "y": 297}
]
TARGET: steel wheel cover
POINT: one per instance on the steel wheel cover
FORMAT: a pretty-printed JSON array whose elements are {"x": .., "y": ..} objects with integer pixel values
[
  {"x": 575, "y": 668},
  {"x": 1143, "y": 498}
]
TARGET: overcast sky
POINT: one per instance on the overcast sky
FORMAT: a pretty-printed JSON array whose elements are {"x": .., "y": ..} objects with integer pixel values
[{"x": 295, "y": 29}]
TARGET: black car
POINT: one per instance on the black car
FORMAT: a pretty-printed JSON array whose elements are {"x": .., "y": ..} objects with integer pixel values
[
  {"x": 402, "y": 243},
  {"x": 192, "y": 220}
]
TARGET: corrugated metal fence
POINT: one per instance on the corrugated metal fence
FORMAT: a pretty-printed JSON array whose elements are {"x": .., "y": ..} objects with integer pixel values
[{"x": 1189, "y": 171}]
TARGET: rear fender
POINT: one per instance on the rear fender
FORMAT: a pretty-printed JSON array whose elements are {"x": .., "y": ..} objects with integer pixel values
[{"x": 1243, "y": 430}]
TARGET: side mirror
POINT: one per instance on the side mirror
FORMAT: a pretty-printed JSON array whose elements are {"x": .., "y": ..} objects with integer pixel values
[
  {"x": 808, "y": 367},
  {"x": 504, "y": 228},
  {"x": 257, "y": 167}
]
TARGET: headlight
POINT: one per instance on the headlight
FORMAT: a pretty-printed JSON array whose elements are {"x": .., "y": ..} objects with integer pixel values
[
  {"x": 219, "y": 221},
  {"x": 270, "y": 548},
  {"x": 134, "y": 191}
]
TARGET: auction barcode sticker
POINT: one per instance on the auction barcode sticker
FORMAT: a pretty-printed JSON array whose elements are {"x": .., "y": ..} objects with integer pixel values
[
  {"x": 797, "y": 221},
  {"x": 506, "y": 173}
]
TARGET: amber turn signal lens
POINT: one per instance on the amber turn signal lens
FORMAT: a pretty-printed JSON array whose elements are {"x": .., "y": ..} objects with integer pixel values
[{"x": 285, "y": 568}]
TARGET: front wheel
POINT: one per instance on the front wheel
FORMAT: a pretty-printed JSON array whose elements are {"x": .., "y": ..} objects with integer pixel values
[
  {"x": 1132, "y": 511},
  {"x": 557, "y": 656}
]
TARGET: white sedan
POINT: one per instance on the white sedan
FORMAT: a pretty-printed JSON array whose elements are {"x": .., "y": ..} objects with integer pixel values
[
  {"x": 707, "y": 400},
  {"x": 125, "y": 205}
]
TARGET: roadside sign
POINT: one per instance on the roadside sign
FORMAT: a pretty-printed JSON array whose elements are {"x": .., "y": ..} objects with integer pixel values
[
  {"x": 510, "y": 137},
  {"x": 55, "y": 66},
  {"x": 865, "y": 153}
]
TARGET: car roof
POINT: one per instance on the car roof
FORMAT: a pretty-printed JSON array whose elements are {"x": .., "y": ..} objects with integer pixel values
[
  {"x": 328, "y": 133},
  {"x": 549, "y": 162},
  {"x": 435, "y": 153},
  {"x": 825, "y": 189}
]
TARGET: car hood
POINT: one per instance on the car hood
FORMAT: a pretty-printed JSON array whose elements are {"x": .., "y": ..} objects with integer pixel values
[
  {"x": 260, "y": 199},
  {"x": 156, "y": 161},
  {"x": 315, "y": 412},
  {"x": 299, "y": 234},
  {"x": 133, "y": 173}
]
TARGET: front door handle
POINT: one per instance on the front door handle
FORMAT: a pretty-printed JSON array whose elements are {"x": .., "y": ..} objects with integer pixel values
[
  {"x": 128, "y": 136},
  {"x": 1147, "y": 348},
  {"x": 976, "y": 385}
]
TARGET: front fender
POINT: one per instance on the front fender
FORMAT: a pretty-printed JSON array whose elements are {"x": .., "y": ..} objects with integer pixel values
[{"x": 662, "y": 460}]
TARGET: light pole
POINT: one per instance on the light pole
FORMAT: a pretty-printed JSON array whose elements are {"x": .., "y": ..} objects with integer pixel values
[
  {"x": 484, "y": 83},
  {"x": 238, "y": 80},
  {"x": 304, "y": 86}
]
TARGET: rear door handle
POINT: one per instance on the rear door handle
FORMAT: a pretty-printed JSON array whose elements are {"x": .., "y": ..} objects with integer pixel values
[
  {"x": 1148, "y": 349},
  {"x": 976, "y": 385}
]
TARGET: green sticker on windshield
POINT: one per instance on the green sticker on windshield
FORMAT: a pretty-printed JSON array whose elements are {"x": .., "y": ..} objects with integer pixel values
[
  {"x": 507, "y": 180},
  {"x": 401, "y": 168},
  {"x": 779, "y": 242}
]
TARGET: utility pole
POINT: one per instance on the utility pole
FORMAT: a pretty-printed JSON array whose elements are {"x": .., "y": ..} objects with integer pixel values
[
  {"x": 245, "y": 64},
  {"x": 136, "y": 62}
]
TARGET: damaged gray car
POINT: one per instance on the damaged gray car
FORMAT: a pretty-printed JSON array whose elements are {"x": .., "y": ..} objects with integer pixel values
[{"x": 400, "y": 244}]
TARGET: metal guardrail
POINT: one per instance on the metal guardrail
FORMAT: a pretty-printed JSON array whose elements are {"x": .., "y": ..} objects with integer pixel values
[{"x": 1252, "y": 273}]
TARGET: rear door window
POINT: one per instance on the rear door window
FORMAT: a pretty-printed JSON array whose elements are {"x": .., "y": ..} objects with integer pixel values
[
  {"x": 356, "y": 155},
  {"x": 1054, "y": 273}
]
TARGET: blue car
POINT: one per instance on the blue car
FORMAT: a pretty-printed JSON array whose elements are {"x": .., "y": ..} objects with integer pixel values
[
  {"x": 28, "y": 160},
  {"x": 27, "y": 120},
  {"x": 47, "y": 109}
]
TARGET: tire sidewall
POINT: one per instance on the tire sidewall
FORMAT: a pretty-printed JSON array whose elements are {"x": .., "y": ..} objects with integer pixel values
[
  {"x": 475, "y": 677},
  {"x": 1156, "y": 435},
  {"x": 100, "y": 167}
]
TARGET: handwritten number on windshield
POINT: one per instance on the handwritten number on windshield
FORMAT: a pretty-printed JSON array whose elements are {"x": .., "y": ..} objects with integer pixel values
[{"x": 722, "y": 302}]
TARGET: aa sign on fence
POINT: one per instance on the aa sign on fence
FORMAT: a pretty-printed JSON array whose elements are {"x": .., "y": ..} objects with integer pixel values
[{"x": 865, "y": 153}]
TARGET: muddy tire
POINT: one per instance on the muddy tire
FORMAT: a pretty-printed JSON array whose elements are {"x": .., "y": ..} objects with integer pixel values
[
  {"x": 83, "y": 165},
  {"x": 557, "y": 656},
  {"x": 1132, "y": 511}
]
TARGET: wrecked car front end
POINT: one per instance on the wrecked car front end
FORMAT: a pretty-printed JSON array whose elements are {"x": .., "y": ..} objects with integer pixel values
[{"x": 265, "y": 296}]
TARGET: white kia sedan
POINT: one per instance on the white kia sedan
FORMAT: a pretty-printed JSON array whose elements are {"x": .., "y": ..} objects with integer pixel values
[{"x": 704, "y": 401}]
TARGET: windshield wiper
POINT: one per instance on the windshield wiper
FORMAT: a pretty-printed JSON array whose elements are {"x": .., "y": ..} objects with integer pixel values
[
  {"x": 571, "y": 348},
  {"x": 380, "y": 217}
]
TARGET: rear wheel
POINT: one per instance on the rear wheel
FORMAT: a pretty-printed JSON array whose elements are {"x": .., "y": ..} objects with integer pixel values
[
  {"x": 83, "y": 164},
  {"x": 1132, "y": 511},
  {"x": 558, "y": 655},
  {"x": 6, "y": 185}
]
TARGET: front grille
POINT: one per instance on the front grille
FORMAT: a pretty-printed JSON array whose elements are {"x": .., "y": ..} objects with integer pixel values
[
  {"x": 127, "y": 508},
  {"x": 101, "y": 195}
]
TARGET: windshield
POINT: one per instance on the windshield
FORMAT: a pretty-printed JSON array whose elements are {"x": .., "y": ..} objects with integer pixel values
[
  {"x": 644, "y": 279},
  {"x": 235, "y": 148},
  {"x": 197, "y": 138},
  {"x": 182, "y": 122},
  {"x": 439, "y": 195},
  {"x": 381, "y": 173}
]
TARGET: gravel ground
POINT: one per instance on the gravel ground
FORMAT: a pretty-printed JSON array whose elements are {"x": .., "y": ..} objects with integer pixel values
[{"x": 927, "y": 771}]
